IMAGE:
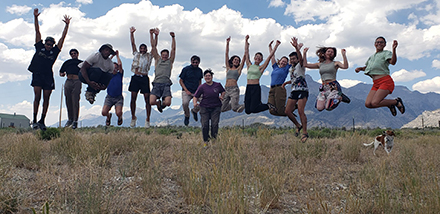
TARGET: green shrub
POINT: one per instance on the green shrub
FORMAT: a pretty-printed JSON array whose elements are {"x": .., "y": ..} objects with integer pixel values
[{"x": 49, "y": 134}]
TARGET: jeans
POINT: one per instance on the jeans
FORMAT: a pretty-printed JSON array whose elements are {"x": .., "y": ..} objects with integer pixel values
[
  {"x": 72, "y": 91},
  {"x": 96, "y": 75},
  {"x": 207, "y": 114},
  {"x": 185, "y": 103}
]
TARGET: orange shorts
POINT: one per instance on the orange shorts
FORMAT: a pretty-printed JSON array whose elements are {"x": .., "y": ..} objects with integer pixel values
[{"x": 385, "y": 83}]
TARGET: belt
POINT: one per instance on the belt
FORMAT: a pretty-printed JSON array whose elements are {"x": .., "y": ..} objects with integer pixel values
[{"x": 273, "y": 86}]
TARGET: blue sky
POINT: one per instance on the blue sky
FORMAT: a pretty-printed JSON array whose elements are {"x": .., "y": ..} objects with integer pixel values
[{"x": 201, "y": 28}]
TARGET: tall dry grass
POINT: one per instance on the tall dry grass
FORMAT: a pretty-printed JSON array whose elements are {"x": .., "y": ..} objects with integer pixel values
[{"x": 167, "y": 170}]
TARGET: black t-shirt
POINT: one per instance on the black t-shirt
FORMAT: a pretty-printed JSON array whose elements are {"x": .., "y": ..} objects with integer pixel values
[
  {"x": 70, "y": 66},
  {"x": 191, "y": 77},
  {"x": 43, "y": 60}
]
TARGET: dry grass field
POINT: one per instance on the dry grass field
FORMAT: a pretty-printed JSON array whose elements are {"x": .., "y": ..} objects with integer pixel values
[{"x": 167, "y": 170}]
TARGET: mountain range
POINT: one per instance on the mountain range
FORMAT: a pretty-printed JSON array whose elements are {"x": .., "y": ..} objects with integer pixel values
[{"x": 345, "y": 115}]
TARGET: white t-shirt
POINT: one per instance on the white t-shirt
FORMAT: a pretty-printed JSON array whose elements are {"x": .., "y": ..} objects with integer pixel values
[{"x": 97, "y": 61}]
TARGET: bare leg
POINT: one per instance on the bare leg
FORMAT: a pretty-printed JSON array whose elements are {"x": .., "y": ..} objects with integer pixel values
[
  {"x": 133, "y": 104},
  {"x": 147, "y": 105}
]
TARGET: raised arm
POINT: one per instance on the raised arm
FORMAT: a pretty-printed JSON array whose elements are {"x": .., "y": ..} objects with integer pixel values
[
  {"x": 344, "y": 57},
  {"x": 246, "y": 55},
  {"x": 272, "y": 59},
  {"x": 393, "y": 59},
  {"x": 227, "y": 53},
  {"x": 246, "y": 50},
  {"x": 271, "y": 55},
  {"x": 37, "y": 26},
  {"x": 294, "y": 42},
  {"x": 153, "y": 40},
  {"x": 66, "y": 28},
  {"x": 119, "y": 62},
  {"x": 306, "y": 64},
  {"x": 133, "y": 44},
  {"x": 173, "y": 47}
]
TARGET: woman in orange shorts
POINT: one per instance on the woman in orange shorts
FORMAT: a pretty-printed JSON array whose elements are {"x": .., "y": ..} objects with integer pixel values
[{"x": 377, "y": 68}]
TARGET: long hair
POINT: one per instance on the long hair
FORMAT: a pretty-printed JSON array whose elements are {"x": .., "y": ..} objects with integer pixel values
[
  {"x": 321, "y": 53},
  {"x": 231, "y": 59}
]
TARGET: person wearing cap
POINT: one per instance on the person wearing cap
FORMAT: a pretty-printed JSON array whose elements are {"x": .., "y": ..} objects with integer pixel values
[
  {"x": 140, "y": 80},
  {"x": 72, "y": 88},
  {"x": 161, "y": 92},
  {"x": 96, "y": 71},
  {"x": 190, "y": 79},
  {"x": 41, "y": 68}
]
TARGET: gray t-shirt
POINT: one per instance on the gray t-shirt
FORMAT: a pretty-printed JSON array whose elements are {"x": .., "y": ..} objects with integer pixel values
[
  {"x": 97, "y": 61},
  {"x": 162, "y": 71}
]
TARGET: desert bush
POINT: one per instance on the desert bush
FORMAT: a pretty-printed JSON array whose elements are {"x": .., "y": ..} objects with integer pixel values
[{"x": 49, "y": 134}]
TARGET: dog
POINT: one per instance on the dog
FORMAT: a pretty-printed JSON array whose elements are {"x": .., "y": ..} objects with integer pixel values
[{"x": 386, "y": 140}]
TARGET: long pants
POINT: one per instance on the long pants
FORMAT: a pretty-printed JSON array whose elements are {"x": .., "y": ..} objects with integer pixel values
[
  {"x": 96, "y": 75},
  {"x": 185, "y": 103},
  {"x": 277, "y": 97},
  {"x": 230, "y": 101},
  {"x": 206, "y": 115},
  {"x": 252, "y": 99},
  {"x": 72, "y": 91}
]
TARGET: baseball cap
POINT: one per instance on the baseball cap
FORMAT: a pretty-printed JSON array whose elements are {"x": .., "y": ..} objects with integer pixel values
[{"x": 107, "y": 46}]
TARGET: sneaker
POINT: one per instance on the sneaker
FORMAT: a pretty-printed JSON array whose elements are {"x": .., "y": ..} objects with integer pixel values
[
  {"x": 345, "y": 99},
  {"x": 133, "y": 122},
  {"x": 186, "y": 121},
  {"x": 194, "y": 115},
  {"x": 35, "y": 126},
  {"x": 240, "y": 109},
  {"x": 272, "y": 107},
  {"x": 75, "y": 124},
  {"x": 42, "y": 126},
  {"x": 147, "y": 124},
  {"x": 68, "y": 123},
  {"x": 90, "y": 96}
]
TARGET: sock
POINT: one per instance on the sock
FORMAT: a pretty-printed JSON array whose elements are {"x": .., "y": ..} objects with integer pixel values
[
  {"x": 43, "y": 117},
  {"x": 35, "y": 118}
]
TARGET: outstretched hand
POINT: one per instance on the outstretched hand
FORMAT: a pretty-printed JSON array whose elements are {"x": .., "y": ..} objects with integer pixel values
[
  {"x": 132, "y": 29},
  {"x": 278, "y": 43},
  {"x": 228, "y": 39},
  {"x": 67, "y": 19},
  {"x": 270, "y": 44},
  {"x": 172, "y": 34},
  {"x": 294, "y": 42},
  {"x": 36, "y": 13},
  {"x": 343, "y": 51},
  {"x": 305, "y": 50},
  {"x": 156, "y": 31},
  {"x": 395, "y": 44}
]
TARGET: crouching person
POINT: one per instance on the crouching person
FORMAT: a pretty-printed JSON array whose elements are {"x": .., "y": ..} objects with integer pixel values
[{"x": 96, "y": 71}]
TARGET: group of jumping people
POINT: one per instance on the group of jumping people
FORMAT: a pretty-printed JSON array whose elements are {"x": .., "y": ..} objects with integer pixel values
[{"x": 99, "y": 72}]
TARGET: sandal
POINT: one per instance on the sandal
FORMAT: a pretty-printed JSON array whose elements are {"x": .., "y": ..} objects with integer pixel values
[
  {"x": 107, "y": 121},
  {"x": 119, "y": 121},
  {"x": 393, "y": 110},
  {"x": 298, "y": 129},
  {"x": 401, "y": 107},
  {"x": 304, "y": 137}
]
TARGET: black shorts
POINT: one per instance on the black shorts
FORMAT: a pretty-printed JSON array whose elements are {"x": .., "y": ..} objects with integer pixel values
[
  {"x": 45, "y": 81},
  {"x": 140, "y": 83},
  {"x": 297, "y": 95}
]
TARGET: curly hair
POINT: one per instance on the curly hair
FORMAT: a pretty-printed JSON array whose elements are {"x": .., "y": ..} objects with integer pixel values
[
  {"x": 232, "y": 59},
  {"x": 321, "y": 53}
]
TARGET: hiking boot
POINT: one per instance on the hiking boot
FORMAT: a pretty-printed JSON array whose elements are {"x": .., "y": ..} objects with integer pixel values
[
  {"x": 186, "y": 121},
  {"x": 240, "y": 109},
  {"x": 42, "y": 126},
  {"x": 35, "y": 126},
  {"x": 68, "y": 123},
  {"x": 133, "y": 122},
  {"x": 194, "y": 115},
  {"x": 147, "y": 124},
  {"x": 159, "y": 107}
]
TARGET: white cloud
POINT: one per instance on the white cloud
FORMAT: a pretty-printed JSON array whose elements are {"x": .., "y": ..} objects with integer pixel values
[
  {"x": 406, "y": 76},
  {"x": 430, "y": 85},
  {"x": 276, "y": 3},
  {"x": 436, "y": 64},
  {"x": 18, "y": 10},
  {"x": 85, "y": 1},
  {"x": 347, "y": 83}
]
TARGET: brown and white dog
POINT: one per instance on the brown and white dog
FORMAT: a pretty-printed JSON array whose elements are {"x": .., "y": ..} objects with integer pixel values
[{"x": 386, "y": 140}]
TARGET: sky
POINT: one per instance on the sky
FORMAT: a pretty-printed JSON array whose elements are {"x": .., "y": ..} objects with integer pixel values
[{"x": 201, "y": 27}]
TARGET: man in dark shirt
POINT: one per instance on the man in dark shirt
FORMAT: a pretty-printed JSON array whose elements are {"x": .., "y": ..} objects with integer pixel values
[
  {"x": 190, "y": 79},
  {"x": 72, "y": 88},
  {"x": 41, "y": 68}
]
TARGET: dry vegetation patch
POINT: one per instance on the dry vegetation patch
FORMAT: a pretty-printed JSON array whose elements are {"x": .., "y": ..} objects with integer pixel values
[{"x": 167, "y": 170}]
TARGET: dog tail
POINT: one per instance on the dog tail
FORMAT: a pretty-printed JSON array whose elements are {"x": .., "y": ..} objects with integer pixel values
[{"x": 368, "y": 144}]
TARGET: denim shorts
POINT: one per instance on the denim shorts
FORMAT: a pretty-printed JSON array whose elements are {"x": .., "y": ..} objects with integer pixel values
[{"x": 114, "y": 101}]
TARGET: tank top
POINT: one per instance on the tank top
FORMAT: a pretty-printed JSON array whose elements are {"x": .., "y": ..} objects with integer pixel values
[
  {"x": 254, "y": 72},
  {"x": 232, "y": 74},
  {"x": 327, "y": 71}
]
